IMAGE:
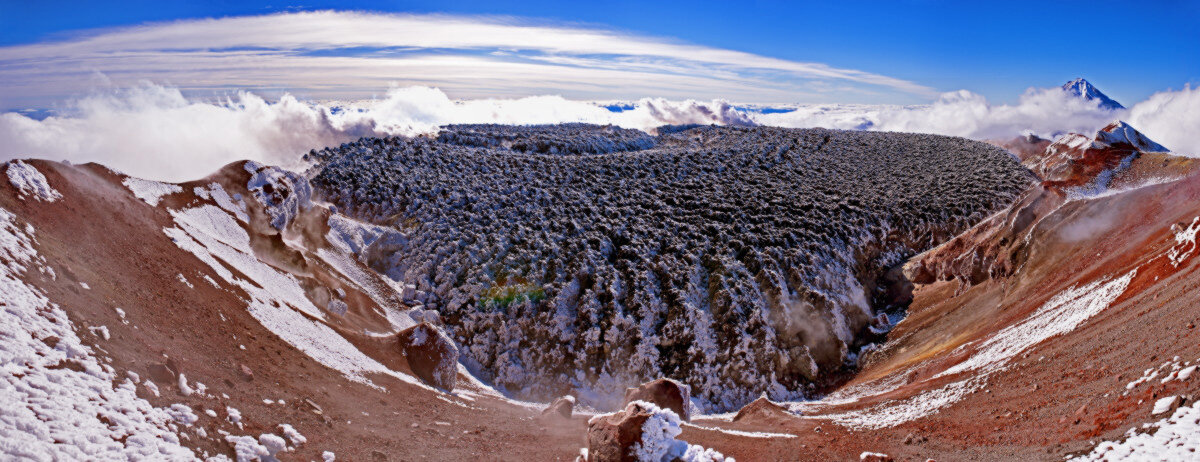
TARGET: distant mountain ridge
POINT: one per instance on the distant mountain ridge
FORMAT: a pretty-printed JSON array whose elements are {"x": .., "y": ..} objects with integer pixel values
[{"x": 1086, "y": 90}]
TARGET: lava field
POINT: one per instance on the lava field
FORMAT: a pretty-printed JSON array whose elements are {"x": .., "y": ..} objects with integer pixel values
[{"x": 584, "y": 259}]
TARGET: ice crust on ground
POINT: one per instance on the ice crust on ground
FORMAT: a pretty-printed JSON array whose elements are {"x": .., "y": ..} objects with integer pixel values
[
  {"x": 31, "y": 182},
  {"x": 48, "y": 412},
  {"x": 736, "y": 260}
]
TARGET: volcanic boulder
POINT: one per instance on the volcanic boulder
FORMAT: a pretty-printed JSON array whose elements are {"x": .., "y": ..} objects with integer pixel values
[
  {"x": 611, "y": 437},
  {"x": 762, "y": 408},
  {"x": 431, "y": 355},
  {"x": 666, "y": 393},
  {"x": 560, "y": 407}
]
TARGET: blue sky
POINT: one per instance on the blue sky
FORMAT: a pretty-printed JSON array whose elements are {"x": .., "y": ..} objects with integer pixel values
[{"x": 997, "y": 49}]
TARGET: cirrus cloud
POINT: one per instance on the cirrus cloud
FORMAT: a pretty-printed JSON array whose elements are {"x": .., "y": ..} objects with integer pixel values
[{"x": 349, "y": 55}]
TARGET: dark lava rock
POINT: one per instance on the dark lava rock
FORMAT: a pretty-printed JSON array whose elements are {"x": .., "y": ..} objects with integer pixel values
[{"x": 736, "y": 260}]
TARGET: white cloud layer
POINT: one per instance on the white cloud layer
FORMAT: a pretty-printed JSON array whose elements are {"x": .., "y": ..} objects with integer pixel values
[
  {"x": 349, "y": 55},
  {"x": 1172, "y": 118},
  {"x": 1168, "y": 117},
  {"x": 1046, "y": 112},
  {"x": 155, "y": 132}
]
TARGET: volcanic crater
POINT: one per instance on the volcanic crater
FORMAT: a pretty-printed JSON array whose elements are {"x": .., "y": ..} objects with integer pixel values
[{"x": 584, "y": 259}]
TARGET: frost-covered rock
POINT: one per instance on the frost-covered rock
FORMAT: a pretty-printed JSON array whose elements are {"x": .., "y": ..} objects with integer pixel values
[
  {"x": 664, "y": 393},
  {"x": 283, "y": 193},
  {"x": 431, "y": 355},
  {"x": 643, "y": 432}
]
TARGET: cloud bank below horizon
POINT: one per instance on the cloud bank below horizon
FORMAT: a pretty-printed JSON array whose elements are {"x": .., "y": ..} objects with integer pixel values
[{"x": 156, "y": 132}]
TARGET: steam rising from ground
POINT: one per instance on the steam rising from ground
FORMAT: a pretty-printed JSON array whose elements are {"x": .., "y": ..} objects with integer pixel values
[{"x": 156, "y": 132}]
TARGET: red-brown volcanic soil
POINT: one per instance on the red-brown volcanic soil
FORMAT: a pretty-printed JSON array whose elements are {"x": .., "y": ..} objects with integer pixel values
[
  {"x": 1059, "y": 396},
  {"x": 102, "y": 235}
]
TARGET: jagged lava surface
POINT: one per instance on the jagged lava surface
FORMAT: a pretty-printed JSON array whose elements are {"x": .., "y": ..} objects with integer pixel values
[{"x": 587, "y": 258}]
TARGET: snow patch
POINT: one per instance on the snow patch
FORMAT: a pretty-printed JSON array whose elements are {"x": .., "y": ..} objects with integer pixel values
[
  {"x": 184, "y": 389},
  {"x": 743, "y": 433},
  {"x": 276, "y": 300},
  {"x": 150, "y": 192},
  {"x": 49, "y": 412},
  {"x": 1185, "y": 243},
  {"x": 234, "y": 204},
  {"x": 1164, "y": 405},
  {"x": 29, "y": 181},
  {"x": 1174, "y": 438},
  {"x": 292, "y": 435},
  {"x": 182, "y": 414},
  {"x": 247, "y": 449}
]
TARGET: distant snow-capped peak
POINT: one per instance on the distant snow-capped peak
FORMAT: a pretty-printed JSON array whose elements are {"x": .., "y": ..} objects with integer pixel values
[{"x": 1084, "y": 89}]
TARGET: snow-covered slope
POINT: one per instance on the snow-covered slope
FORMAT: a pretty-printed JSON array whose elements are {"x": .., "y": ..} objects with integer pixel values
[
  {"x": 1092, "y": 163},
  {"x": 1084, "y": 89}
]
